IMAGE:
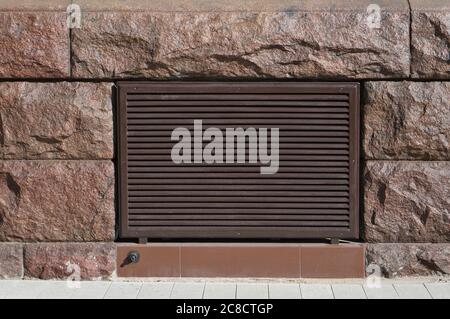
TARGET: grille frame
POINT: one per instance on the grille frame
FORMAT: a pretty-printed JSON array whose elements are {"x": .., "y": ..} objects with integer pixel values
[{"x": 238, "y": 232}]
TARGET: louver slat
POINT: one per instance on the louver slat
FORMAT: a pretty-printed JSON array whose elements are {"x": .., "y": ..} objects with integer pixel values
[{"x": 314, "y": 193}]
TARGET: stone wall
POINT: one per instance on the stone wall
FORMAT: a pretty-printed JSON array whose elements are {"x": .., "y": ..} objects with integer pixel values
[{"x": 57, "y": 176}]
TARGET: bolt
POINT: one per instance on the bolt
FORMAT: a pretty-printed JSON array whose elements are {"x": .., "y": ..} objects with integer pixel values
[{"x": 133, "y": 257}]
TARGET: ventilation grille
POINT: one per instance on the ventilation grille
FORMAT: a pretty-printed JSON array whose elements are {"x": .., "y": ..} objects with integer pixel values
[{"x": 314, "y": 194}]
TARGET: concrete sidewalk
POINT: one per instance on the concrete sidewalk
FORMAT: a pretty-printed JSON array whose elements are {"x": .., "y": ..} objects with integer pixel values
[{"x": 226, "y": 289}]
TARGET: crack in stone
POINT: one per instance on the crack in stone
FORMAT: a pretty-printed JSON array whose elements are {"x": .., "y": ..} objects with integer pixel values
[
  {"x": 399, "y": 119},
  {"x": 430, "y": 264},
  {"x": 103, "y": 196},
  {"x": 14, "y": 191},
  {"x": 13, "y": 186},
  {"x": 241, "y": 61},
  {"x": 381, "y": 194},
  {"x": 373, "y": 217},
  {"x": 269, "y": 47},
  {"x": 47, "y": 140},
  {"x": 419, "y": 214},
  {"x": 426, "y": 214},
  {"x": 439, "y": 32},
  {"x": 338, "y": 50}
]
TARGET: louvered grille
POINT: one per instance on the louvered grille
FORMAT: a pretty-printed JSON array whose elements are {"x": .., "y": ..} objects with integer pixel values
[{"x": 314, "y": 194}]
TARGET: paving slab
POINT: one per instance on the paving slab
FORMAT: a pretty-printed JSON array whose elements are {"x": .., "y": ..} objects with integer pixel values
[
  {"x": 316, "y": 291},
  {"x": 20, "y": 289},
  {"x": 123, "y": 290},
  {"x": 90, "y": 290},
  {"x": 220, "y": 291},
  {"x": 439, "y": 290},
  {"x": 348, "y": 291},
  {"x": 55, "y": 290},
  {"x": 412, "y": 291},
  {"x": 284, "y": 291},
  {"x": 384, "y": 291},
  {"x": 188, "y": 290},
  {"x": 252, "y": 291},
  {"x": 156, "y": 290}
]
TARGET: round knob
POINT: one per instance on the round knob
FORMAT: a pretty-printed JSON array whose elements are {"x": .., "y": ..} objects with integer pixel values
[{"x": 133, "y": 257}]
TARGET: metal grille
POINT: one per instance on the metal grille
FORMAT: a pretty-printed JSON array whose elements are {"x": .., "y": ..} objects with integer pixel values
[{"x": 314, "y": 194}]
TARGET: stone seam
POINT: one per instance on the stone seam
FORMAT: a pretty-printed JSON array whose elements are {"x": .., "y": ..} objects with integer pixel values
[{"x": 410, "y": 39}]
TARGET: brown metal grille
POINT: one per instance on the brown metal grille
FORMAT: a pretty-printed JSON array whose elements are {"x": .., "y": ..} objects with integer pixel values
[{"x": 314, "y": 194}]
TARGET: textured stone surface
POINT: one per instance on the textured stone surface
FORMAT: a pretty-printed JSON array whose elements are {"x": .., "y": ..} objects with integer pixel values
[
  {"x": 430, "y": 39},
  {"x": 69, "y": 260},
  {"x": 11, "y": 260},
  {"x": 230, "y": 5},
  {"x": 406, "y": 201},
  {"x": 396, "y": 260},
  {"x": 282, "y": 44},
  {"x": 407, "y": 120},
  {"x": 56, "y": 201},
  {"x": 33, "y": 5},
  {"x": 34, "y": 45},
  {"x": 56, "y": 120}
]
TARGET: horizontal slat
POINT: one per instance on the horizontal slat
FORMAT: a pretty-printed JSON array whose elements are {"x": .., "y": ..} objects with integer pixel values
[
  {"x": 227, "y": 170},
  {"x": 237, "y": 181},
  {"x": 234, "y": 107},
  {"x": 213, "y": 222},
  {"x": 284, "y": 139},
  {"x": 236, "y": 205},
  {"x": 221, "y": 233},
  {"x": 232, "y": 216},
  {"x": 235, "y": 199},
  {"x": 285, "y": 154},
  {"x": 145, "y": 146},
  {"x": 205, "y": 193},
  {"x": 242, "y": 169},
  {"x": 297, "y": 127},
  {"x": 249, "y": 116},
  {"x": 237, "y": 175},
  {"x": 169, "y": 163},
  {"x": 230, "y": 211},
  {"x": 233, "y": 121},
  {"x": 240, "y": 187},
  {"x": 233, "y": 97},
  {"x": 283, "y": 133},
  {"x": 307, "y": 88}
]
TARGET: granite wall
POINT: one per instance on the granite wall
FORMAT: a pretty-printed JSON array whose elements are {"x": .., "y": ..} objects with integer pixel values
[{"x": 57, "y": 179}]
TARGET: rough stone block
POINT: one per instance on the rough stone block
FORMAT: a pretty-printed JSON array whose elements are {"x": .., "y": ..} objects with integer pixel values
[
  {"x": 56, "y": 201},
  {"x": 310, "y": 39},
  {"x": 34, "y": 45},
  {"x": 430, "y": 39},
  {"x": 407, "y": 120},
  {"x": 397, "y": 260},
  {"x": 406, "y": 201},
  {"x": 73, "y": 261},
  {"x": 11, "y": 260},
  {"x": 56, "y": 120}
]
